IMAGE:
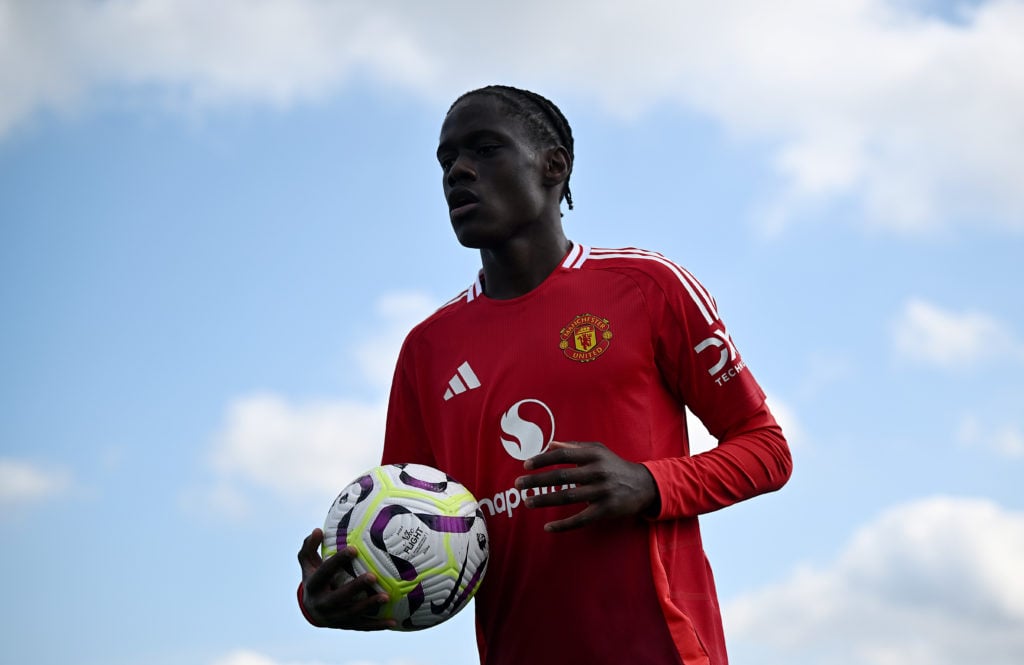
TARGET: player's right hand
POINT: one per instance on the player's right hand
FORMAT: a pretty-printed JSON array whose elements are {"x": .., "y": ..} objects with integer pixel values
[{"x": 327, "y": 603}]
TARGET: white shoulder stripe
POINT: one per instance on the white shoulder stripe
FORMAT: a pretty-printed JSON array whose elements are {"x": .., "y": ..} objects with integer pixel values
[
  {"x": 584, "y": 255},
  {"x": 574, "y": 253},
  {"x": 453, "y": 301},
  {"x": 705, "y": 303},
  {"x": 576, "y": 256},
  {"x": 708, "y": 299},
  {"x": 475, "y": 289}
]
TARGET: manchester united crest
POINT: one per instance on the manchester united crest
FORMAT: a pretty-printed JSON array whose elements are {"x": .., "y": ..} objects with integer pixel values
[{"x": 585, "y": 338}]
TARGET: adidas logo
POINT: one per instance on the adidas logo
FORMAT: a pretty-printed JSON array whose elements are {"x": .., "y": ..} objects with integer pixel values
[{"x": 465, "y": 379}]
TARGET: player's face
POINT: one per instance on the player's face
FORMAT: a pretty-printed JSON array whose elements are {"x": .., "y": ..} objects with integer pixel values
[{"x": 494, "y": 177}]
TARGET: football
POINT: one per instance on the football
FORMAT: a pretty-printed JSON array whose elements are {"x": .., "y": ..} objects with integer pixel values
[{"x": 420, "y": 532}]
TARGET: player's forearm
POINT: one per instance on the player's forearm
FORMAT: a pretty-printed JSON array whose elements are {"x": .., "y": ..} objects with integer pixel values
[{"x": 751, "y": 459}]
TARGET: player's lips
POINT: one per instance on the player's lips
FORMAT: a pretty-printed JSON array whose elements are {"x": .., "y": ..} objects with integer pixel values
[{"x": 461, "y": 201}]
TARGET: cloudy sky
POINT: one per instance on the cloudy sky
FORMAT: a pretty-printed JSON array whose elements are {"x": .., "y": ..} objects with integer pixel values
[{"x": 218, "y": 220}]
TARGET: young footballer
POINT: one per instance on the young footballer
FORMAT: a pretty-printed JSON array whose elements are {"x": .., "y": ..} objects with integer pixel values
[{"x": 554, "y": 388}]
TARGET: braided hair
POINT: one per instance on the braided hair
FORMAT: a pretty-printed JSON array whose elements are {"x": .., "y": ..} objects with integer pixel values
[{"x": 541, "y": 117}]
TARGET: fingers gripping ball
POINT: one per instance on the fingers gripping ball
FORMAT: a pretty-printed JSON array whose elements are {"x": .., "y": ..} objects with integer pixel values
[{"x": 419, "y": 532}]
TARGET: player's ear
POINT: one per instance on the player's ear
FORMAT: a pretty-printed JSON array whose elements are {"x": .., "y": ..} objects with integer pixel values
[{"x": 557, "y": 165}]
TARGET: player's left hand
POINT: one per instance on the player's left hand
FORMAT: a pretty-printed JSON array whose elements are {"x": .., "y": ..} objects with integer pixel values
[{"x": 609, "y": 485}]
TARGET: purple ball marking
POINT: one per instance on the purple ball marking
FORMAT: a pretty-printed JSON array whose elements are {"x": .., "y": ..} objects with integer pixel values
[
  {"x": 451, "y": 524},
  {"x": 452, "y": 603},
  {"x": 419, "y": 483},
  {"x": 365, "y": 484},
  {"x": 405, "y": 569},
  {"x": 415, "y": 598},
  {"x": 447, "y": 523},
  {"x": 473, "y": 582},
  {"x": 380, "y": 522}
]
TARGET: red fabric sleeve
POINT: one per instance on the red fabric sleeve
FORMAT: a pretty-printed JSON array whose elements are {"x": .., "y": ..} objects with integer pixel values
[
  {"x": 405, "y": 435},
  {"x": 302, "y": 608},
  {"x": 751, "y": 458},
  {"x": 702, "y": 367}
]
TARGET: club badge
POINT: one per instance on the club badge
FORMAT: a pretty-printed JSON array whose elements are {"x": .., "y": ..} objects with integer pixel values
[{"x": 585, "y": 338}]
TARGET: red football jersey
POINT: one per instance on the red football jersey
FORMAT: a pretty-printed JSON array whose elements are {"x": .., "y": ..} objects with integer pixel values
[{"x": 609, "y": 348}]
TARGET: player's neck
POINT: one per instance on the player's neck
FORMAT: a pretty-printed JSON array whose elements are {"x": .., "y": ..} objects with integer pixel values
[{"x": 520, "y": 267}]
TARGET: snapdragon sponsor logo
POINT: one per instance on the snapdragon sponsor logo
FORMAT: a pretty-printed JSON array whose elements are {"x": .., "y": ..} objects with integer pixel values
[
  {"x": 504, "y": 503},
  {"x": 528, "y": 428}
]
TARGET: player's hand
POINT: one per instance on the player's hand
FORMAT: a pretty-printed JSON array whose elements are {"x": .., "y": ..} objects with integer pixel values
[
  {"x": 332, "y": 605},
  {"x": 609, "y": 485}
]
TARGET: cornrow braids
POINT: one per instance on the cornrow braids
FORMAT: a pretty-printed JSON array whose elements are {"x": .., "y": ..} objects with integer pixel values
[{"x": 542, "y": 118}]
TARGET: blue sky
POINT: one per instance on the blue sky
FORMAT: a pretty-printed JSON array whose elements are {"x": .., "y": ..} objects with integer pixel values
[{"x": 216, "y": 225}]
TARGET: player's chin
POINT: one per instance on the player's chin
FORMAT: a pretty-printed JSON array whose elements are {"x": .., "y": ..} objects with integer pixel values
[{"x": 473, "y": 233}]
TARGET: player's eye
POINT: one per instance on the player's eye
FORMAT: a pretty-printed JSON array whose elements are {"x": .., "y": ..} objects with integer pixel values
[{"x": 486, "y": 149}]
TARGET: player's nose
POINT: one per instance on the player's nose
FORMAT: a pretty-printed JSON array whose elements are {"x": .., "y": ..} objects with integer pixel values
[{"x": 461, "y": 170}]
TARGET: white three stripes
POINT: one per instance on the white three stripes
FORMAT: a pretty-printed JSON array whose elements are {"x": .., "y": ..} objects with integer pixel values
[
  {"x": 463, "y": 380},
  {"x": 580, "y": 254},
  {"x": 705, "y": 303}
]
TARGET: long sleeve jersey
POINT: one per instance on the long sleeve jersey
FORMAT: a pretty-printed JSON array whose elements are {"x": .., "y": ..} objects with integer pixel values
[{"x": 611, "y": 347}]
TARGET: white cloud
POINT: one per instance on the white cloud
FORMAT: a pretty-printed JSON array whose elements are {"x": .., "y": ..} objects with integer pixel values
[
  {"x": 311, "y": 448},
  {"x": 927, "y": 334},
  {"x": 297, "y": 449},
  {"x": 934, "y": 582},
  {"x": 915, "y": 116},
  {"x": 269, "y": 51},
  {"x": 788, "y": 420},
  {"x": 247, "y": 657},
  {"x": 23, "y": 483},
  {"x": 397, "y": 313},
  {"x": 244, "y": 657},
  {"x": 701, "y": 440},
  {"x": 1005, "y": 440}
]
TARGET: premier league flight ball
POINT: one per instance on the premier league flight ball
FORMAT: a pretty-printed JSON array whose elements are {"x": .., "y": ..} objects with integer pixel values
[{"x": 420, "y": 532}]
